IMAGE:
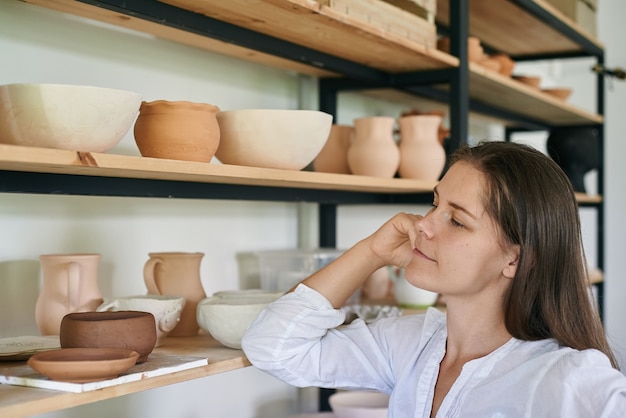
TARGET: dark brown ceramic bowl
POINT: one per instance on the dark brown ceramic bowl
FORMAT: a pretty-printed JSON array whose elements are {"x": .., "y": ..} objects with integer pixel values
[{"x": 132, "y": 330}]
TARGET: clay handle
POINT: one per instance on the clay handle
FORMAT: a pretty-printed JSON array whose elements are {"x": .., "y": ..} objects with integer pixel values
[
  {"x": 148, "y": 275},
  {"x": 73, "y": 286}
]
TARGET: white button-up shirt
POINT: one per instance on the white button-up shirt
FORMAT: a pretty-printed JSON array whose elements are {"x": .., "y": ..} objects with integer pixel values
[{"x": 300, "y": 339}]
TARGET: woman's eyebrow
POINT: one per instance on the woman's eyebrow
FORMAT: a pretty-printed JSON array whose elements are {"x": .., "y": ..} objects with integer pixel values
[{"x": 456, "y": 205}]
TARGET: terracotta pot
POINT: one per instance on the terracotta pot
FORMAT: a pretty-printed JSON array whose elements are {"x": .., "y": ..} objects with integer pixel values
[
  {"x": 421, "y": 154},
  {"x": 333, "y": 158},
  {"x": 69, "y": 284},
  {"x": 507, "y": 65},
  {"x": 131, "y": 330},
  {"x": 531, "y": 81},
  {"x": 177, "y": 130},
  {"x": 373, "y": 151},
  {"x": 177, "y": 274},
  {"x": 491, "y": 64},
  {"x": 475, "y": 50}
]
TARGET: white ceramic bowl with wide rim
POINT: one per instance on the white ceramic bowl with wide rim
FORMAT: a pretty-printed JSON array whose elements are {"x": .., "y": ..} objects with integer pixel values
[
  {"x": 272, "y": 138},
  {"x": 359, "y": 404},
  {"x": 228, "y": 318},
  {"x": 70, "y": 117}
]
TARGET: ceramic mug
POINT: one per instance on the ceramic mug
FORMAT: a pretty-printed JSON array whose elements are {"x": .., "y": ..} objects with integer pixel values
[{"x": 165, "y": 309}]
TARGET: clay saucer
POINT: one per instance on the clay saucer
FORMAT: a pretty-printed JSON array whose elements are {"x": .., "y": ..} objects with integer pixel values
[{"x": 81, "y": 365}]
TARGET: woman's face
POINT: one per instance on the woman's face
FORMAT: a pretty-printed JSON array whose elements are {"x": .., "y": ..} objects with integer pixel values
[{"x": 457, "y": 251}]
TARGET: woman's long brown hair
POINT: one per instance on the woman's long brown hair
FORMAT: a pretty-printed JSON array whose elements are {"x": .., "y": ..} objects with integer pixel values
[{"x": 533, "y": 202}]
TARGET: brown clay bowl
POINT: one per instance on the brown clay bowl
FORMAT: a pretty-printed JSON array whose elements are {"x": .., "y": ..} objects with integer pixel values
[
  {"x": 559, "y": 93},
  {"x": 490, "y": 64},
  {"x": 132, "y": 330},
  {"x": 507, "y": 65},
  {"x": 475, "y": 50},
  {"x": 531, "y": 81},
  {"x": 81, "y": 365}
]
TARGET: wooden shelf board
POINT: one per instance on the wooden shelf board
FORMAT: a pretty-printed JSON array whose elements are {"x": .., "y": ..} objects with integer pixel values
[
  {"x": 494, "y": 20},
  {"x": 20, "y": 401},
  {"x": 45, "y": 160},
  {"x": 304, "y": 22}
]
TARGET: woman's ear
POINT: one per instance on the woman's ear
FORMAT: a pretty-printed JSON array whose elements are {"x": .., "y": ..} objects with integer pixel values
[{"x": 511, "y": 268}]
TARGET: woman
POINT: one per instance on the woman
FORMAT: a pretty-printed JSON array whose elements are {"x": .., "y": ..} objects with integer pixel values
[{"x": 520, "y": 336}]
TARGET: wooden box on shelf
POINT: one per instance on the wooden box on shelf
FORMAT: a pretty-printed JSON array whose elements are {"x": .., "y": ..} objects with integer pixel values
[{"x": 386, "y": 17}]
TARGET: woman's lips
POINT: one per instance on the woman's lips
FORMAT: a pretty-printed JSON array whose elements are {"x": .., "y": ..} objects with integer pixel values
[{"x": 421, "y": 254}]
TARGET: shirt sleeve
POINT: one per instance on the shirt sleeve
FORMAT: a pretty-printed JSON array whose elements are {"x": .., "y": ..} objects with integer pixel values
[
  {"x": 583, "y": 384},
  {"x": 300, "y": 339}
]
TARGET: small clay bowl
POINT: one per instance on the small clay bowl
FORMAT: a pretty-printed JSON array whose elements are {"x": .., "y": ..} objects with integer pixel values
[
  {"x": 132, "y": 330},
  {"x": 559, "y": 93},
  {"x": 531, "y": 81}
]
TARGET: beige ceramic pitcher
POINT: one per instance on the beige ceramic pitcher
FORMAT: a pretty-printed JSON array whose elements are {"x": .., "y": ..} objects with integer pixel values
[
  {"x": 422, "y": 156},
  {"x": 373, "y": 151},
  {"x": 69, "y": 284},
  {"x": 177, "y": 274}
]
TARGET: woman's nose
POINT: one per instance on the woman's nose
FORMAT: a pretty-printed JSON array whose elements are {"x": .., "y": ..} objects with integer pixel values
[{"x": 424, "y": 225}]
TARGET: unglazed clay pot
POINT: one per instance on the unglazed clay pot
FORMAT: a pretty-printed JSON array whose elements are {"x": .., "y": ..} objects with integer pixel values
[
  {"x": 421, "y": 154},
  {"x": 69, "y": 284},
  {"x": 132, "y": 330},
  {"x": 333, "y": 158},
  {"x": 177, "y": 130},
  {"x": 373, "y": 151},
  {"x": 177, "y": 274}
]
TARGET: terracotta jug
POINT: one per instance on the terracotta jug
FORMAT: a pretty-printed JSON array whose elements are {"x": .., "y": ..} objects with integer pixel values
[
  {"x": 177, "y": 130},
  {"x": 373, "y": 151},
  {"x": 421, "y": 154},
  {"x": 333, "y": 158},
  {"x": 69, "y": 284},
  {"x": 177, "y": 274}
]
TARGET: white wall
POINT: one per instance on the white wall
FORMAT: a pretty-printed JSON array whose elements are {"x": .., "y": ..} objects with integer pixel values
[{"x": 43, "y": 46}]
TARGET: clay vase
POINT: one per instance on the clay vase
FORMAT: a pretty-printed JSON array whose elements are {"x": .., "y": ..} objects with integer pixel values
[
  {"x": 373, "y": 151},
  {"x": 177, "y": 274},
  {"x": 131, "y": 330},
  {"x": 333, "y": 158},
  {"x": 421, "y": 154},
  {"x": 69, "y": 284},
  {"x": 177, "y": 130}
]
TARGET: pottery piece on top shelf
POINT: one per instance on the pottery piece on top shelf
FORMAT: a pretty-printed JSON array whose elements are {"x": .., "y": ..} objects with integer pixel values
[
  {"x": 490, "y": 63},
  {"x": 177, "y": 130},
  {"x": 69, "y": 117},
  {"x": 532, "y": 81},
  {"x": 475, "y": 51},
  {"x": 422, "y": 156},
  {"x": 177, "y": 274},
  {"x": 69, "y": 284},
  {"x": 130, "y": 330},
  {"x": 333, "y": 158},
  {"x": 373, "y": 151},
  {"x": 507, "y": 65},
  {"x": 561, "y": 93},
  {"x": 165, "y": 309}
]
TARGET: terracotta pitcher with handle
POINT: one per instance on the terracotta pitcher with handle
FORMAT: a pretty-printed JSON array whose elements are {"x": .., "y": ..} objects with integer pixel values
[
  {"x": 177, "y": 274},
  {"x": 69, "y": 284}
]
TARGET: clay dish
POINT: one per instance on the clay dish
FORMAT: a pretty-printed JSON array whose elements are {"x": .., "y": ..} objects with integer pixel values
[
  {"x": 69, "y": 117},
  {"x": 559, "y": 93},
  {"x": 507, "y": 65},
  {"x": 531, "y": 81},
  {"x": 81, "y": 365},
  {"x": 491, "y": 64},
  {"x": 272, "y": 138},
  {"x": 178, "y": 130},
  {"x": 475, "y": 51},
  {"x": 131, "y": 330}
]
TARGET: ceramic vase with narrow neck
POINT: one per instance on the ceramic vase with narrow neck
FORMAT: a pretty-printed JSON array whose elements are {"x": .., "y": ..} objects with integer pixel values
[
  {"x": 373, "y": 151},
  {"x": 177, "y": 274},
  {"x": 69, "y": 284},
  {"x": 333, "y": 158},
  {"x": 178, "y": 130},
  {"x": 422, "y": 156}
]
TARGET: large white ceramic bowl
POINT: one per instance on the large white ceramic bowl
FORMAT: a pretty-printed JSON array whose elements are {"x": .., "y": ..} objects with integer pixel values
[
  {"x": 272, "y": 138},
  {"x": 71, "y": 117},
  {"x": 227, "y": 317},
  {"x": 359, "y": 404}
]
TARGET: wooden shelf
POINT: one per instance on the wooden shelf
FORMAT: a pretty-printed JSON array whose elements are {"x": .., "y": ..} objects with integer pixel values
[
  {"x": 304, "y": 22},
  {"x": 20, "y": 401},
  {"x": 44, "y": 160},
  {"x": 494, "y": 22}
]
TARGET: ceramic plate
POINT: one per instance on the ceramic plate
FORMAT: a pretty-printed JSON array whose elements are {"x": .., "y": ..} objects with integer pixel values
[
  {"x": 81, "y": 365},
  {"x": 21, "y": 348}
]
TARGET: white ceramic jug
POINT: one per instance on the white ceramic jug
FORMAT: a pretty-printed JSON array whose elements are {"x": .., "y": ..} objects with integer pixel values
[{"x": 407, "y": 295}]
